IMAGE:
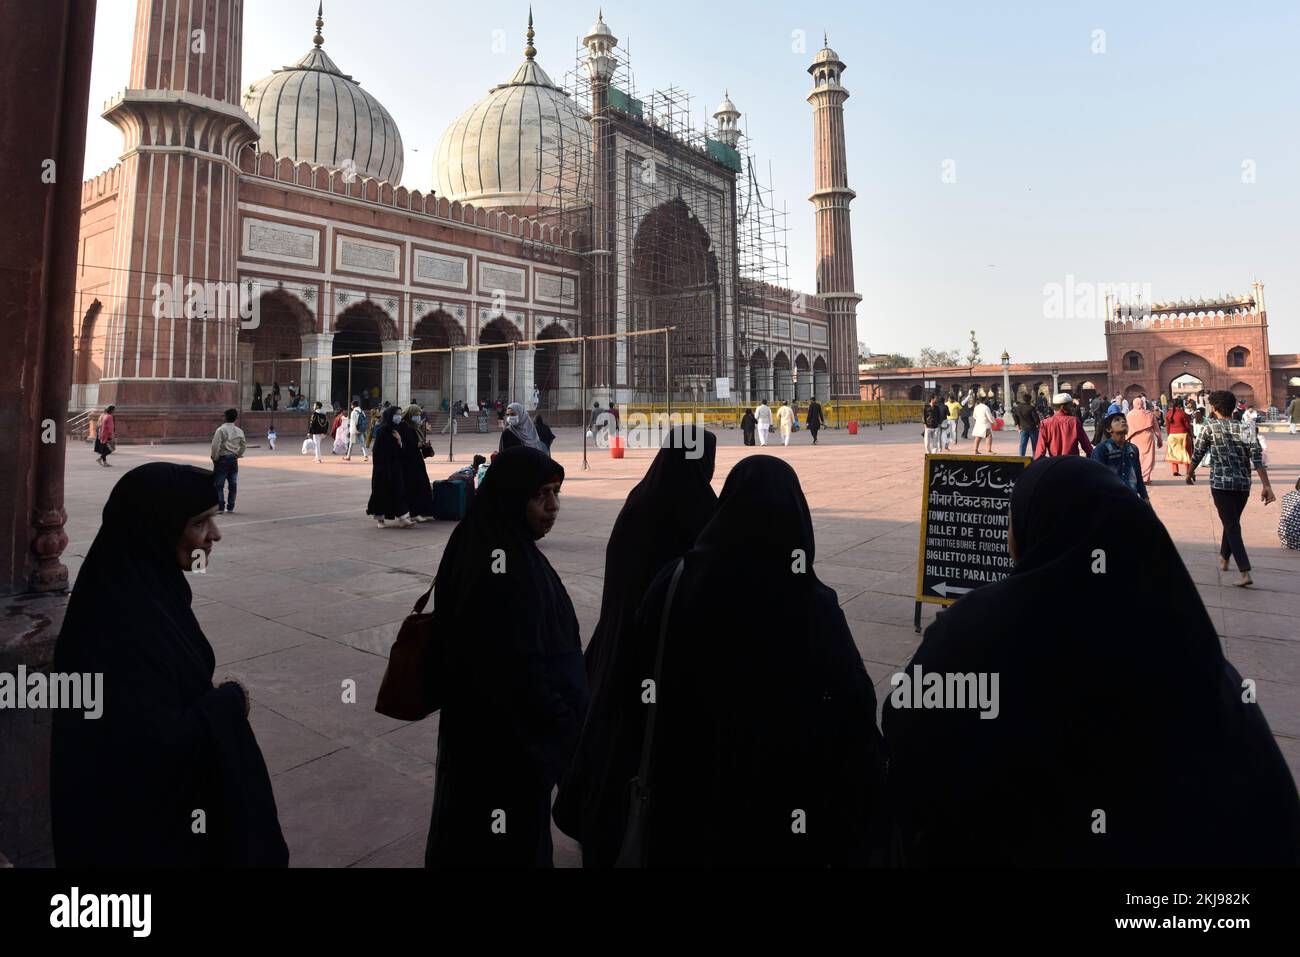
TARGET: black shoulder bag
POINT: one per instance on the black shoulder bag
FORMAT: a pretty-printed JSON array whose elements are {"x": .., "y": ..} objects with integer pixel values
[{"x": 633, "y": 851}]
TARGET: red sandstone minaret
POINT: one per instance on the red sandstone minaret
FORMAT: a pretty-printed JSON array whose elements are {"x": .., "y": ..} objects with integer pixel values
[
  {"x": 831, "y": 197},
  {"x": 177, "y": 212}
]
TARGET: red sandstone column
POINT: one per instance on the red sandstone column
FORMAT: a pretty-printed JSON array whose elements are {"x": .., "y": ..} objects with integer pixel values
[
  {"x": 831, "y": 197},
  {"x": 167, "y": 344},
  {"x": 45, "y": 57}
]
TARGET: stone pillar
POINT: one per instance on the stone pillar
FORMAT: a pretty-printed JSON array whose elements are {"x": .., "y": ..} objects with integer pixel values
[
  {"x": 247, "y": 375},
  {"x": 317, "y": 377},
  {"x": 570, "y": 396},
  {"x": 464, "y": 371},
  {"x": 396, "y": 378},
  {"x": 522, "y": 391},
  {"x": 45, "y": 57}
]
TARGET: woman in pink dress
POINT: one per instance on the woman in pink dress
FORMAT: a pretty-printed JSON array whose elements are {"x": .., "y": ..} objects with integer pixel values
[
  {"x": 106, "y": 436},
  {"x": 1144, "y": 432}
]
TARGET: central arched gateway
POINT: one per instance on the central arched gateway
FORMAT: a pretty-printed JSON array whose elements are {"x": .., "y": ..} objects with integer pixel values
[
  {"x": 674, "y": 283},
  {"x": 1183, "y": 373}
]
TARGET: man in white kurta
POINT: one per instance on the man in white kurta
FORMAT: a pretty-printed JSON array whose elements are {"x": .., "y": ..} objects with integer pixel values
[
  {"x": 763, "y": 416},
  {"x": 785, "y": 416}
]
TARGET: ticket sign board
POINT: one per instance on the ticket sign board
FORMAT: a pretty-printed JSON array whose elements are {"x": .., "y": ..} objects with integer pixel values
[{"x": 965, "y": 514}]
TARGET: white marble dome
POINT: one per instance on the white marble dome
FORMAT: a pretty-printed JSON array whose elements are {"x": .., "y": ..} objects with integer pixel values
[
  {"x": 311, "y": 111},
  {"x": 525, "y": 146}
]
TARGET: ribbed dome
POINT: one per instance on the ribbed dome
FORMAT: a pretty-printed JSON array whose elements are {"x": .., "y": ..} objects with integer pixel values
[
  {"x": 526, "y": 145},
  {"x": 311, "y": 111}
]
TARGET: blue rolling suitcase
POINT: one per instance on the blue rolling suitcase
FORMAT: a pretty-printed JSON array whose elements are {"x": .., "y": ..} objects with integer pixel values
[{"x": 449, "y": 500}]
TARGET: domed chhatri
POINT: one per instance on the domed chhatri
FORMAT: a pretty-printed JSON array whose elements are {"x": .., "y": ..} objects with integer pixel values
[
  {"x": 525, "y": 146},
  {"x": 312, "y": 112}
]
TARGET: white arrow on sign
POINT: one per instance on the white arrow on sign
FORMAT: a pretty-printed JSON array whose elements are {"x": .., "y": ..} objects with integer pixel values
[{"x": 944, "y": 589}]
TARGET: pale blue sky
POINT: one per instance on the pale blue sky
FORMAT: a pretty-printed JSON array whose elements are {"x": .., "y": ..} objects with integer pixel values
[{"x": 1121, "y": 167}]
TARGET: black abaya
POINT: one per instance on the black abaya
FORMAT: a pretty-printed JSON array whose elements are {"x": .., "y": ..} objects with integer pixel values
[
  {"x": 415, "y": 475},
  {"x": 1132, "y": 711},
  {"x": 658, "y": 524},
  {"x": 388, "y": 482},
  {"x": 124, "y": 788},
  {"x": 766, "y": 751},
  {"x": 747, "y": 426},
  {"x": 517, "y": 690}
]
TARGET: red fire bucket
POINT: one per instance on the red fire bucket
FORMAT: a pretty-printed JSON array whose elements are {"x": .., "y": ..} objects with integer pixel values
[
  {"x": 616, "y": 446},
  {"x": 853, "y": 427}
]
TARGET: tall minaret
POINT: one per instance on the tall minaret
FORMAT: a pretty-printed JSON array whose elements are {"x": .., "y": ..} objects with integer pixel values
[
  {"x": 177, "y": 212},
  {"x": 601, "y": 374},
  {"x": 831, "y": 197}
]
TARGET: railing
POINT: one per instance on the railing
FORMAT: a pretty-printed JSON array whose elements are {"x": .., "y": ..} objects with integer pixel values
[{"x": 79, "y": 425}]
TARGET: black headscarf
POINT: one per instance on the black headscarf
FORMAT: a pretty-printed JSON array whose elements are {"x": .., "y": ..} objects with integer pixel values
[
  {"x": 388, "y": 476},
  {"x": 1129, "y": 709},
  {"x": 125, "y": 786},
  {"x": 659, "y": 522},
  {"x": 518, "y": 690},
  {"x": 766, "y": 715}
]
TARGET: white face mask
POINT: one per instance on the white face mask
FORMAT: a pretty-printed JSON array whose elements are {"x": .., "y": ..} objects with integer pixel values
[
  {"x": 397, "y": 420},
  {"x": 418, "y": 418},
  {"x": 512, "y": 420}
]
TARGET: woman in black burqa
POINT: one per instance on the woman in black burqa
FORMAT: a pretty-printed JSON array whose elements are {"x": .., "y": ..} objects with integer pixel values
[
  {"x": 766, "y": 751},
  {"x": 747, "y": 426},
  {"x": 126, "y": 788},
  {"x": 517, "y": 692},
  {"x": 415, "y": 475},
  {"x": 388, "y": 478},
  {"x": 1121, "y": 736},
  {"x": 659, "y": 523}
]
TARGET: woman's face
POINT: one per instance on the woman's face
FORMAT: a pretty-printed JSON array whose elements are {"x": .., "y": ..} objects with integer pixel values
[
  {"x": 543, "y": 508},
  {"x": 199, "y": 535}
]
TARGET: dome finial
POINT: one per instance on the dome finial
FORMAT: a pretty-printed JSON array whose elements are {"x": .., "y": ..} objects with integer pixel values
[
  {"x": 320, "y": 23},
  {"x": 530, "y": 51}
]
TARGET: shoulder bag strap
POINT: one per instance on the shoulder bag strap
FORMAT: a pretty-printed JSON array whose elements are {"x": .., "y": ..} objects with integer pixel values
[{"x": 647, "y": 742}]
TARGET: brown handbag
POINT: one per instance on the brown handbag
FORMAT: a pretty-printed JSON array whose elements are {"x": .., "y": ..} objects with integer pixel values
[{"x": 412, "y": 685}]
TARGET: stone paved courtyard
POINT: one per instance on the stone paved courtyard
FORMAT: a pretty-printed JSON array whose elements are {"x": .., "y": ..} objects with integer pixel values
[{"x": 304, "y": 591}]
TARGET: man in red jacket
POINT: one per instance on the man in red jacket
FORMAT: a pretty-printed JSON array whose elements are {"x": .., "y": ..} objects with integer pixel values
[{"x": 1061, "y": 434}]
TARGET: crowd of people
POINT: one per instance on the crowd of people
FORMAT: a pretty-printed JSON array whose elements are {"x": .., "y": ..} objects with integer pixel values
[
  {"x": 697, "y": 731},
  {"x": 756, "y": 423},
  {"x": 1215, "y": 427}
]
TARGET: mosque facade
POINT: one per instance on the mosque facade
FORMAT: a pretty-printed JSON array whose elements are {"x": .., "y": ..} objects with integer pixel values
[{"x": 249, "y": 227}]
